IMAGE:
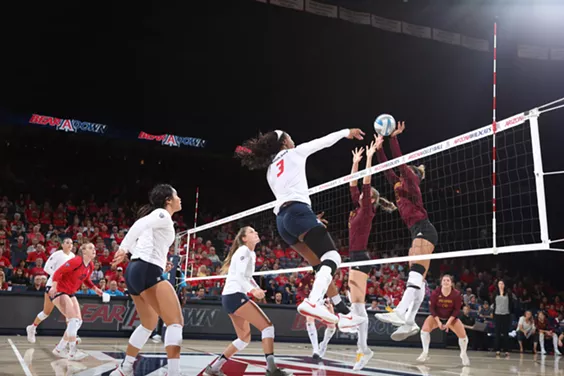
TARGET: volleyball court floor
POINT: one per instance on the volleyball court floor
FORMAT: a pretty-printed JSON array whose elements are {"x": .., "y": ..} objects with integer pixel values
[{"x": 18, "y": 357}]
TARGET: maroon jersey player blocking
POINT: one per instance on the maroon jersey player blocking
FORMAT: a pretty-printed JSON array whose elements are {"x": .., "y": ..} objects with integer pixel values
[
  {"x": 423, "y": 234},
  {"x": 360, "y": 224},
  {"x": 445, "y": 308}
]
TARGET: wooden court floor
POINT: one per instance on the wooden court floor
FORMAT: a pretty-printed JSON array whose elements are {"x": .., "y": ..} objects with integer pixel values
[{"x": 18, "y": 357}]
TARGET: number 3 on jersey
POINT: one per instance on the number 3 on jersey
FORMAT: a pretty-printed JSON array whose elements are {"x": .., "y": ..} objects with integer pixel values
[{"x": 280, "y": 165}]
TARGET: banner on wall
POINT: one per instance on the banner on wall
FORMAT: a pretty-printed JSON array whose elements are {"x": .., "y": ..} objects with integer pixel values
[
  {"x": 353, "y": 16},
  {"x": 416, "y": 30},
  {"x": 320, "y": 9},
  {"x": 532, "y": 52},
  {"x": 446, "y": 37},
  {"x": 386, "y": 24},
  {"x": 292, "y": 4},
  {"x": 84, "y": 127}
]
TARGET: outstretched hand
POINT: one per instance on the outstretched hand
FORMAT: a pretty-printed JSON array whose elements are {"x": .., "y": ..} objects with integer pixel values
[
  {"x": 355, "y": 133},
  {"x": 379, "y": 141},
  {"x": 370, "y": 150},
  {"x": 399, "y": 129},
  {"x": 357, "y": 154}
]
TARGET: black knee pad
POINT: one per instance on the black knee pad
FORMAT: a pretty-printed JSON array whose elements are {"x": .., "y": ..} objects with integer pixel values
[
  {"x": 316, "y": 268},
  {"x": 418, "y": 268},
  {"x": 361, "y": 256},
  {"x": 331, "y": 264},
  {"x": 319, "y": 241}
]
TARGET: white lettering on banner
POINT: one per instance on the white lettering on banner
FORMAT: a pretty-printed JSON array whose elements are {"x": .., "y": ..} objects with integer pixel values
[
  {"x": 532, "y": 52},
  {"x": 557, "y": 54},
  {"x": 292, "y": 4},
  {"x": 362, "y": 18},
  {"x": 446, "y": 37},
  {"x": 386, "y": 24},
  {"x": 475, "y": 43},
  {"x": 430, "y": 150},
  {"x": 322, "y": 9},
  {"x": 416, "y": 30}
]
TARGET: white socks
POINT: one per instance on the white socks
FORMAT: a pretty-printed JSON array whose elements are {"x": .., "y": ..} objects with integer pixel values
[
  {"x": 419, "y": 298},
  {"x": 329, "y": 332},
  {"x": 425, "y": 341},
  {"x": 322, "y": 280},
  {"x": 312, "y": 333},
  {"x": 410, "y": 294},
  {"x": 463, "y": 343},
  {"x": 62, "y": 344},
  {"x": 362, "y": 341},
  {"x": 173, "y": 367}
]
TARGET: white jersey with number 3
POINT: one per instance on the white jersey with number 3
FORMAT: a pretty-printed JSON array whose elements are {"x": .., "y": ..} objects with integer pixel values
[{"x": 286, "y": 174}]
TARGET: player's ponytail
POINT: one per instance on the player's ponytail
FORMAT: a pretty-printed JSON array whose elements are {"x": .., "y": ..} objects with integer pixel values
[
  {"x": 237, "y": 242},
  {"x": 158, "y": 197},
  {"x": 258, "y": 153},
  {"x": 381, "y": 202}
]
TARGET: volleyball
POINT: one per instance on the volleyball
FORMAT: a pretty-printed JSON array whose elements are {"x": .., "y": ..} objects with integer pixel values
[{"x": 385, "y": 124}]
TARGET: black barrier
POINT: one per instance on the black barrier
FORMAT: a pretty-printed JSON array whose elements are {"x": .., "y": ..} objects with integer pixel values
[{"x": 202, "y": 319}]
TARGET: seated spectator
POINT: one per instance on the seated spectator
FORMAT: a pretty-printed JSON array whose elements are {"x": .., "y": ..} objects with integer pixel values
[
  {"x": 4, "y": 261},
  {"x": 485, "y": 312},
  {"x": 102, "y": 284},
  {"x": 37, "y": 270},
  {"x": 97, "y": 274},
  {"x": 106, "y": 258},
  {"x": 111, "y": 273},
  {"x": 113, "y": 290},
  {"x": 117, "y": 276},
  {"x": 278, "y": 298},
  {"x": 200, "y": 295},
  {"x": 3, "y": 284},
  {"x": 37, "y": 253},
  {"x": 373, "y": 306},
  {"x": 547, "y": 329},
  {"x": 473, "y": 303},
  {"x": 19, "y": 278},
  {"x": 467, "y": 295},
  {"x": 371, "y": 294},
  {"x": 38, "y": 285},
  {"x": 122, "y": 286},
  {"x": 17, "y": 226},
  {"x": 84, "y": 290},
  {"x": 214, "y": 257},
  {"x": 526, "y": 331}
]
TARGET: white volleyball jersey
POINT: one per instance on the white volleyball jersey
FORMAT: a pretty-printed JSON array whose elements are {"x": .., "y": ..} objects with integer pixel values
[
  {"x": 287, "y": 173},
  {"x": 54, "y": 262},
  {"x": 150, "y": 238},
  {"x": 240, "y": 274}
]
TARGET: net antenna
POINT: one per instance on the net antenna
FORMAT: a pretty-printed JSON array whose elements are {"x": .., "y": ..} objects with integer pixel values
[
  {"x": 462, "y": 162},
  {"x": 494, "y": 129}
]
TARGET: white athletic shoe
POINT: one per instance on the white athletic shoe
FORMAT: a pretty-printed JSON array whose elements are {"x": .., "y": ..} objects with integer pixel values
[
  {"x": 64, "y": 353},
  {"x": 318, "y": 311},
  {"x": 362, "y": 359},
  {"x": 405, "y": 331},
  {"x": 30, "y": 329},
  {"x": 465, "y": 359},
  {"x": 423, "y": 357},
  {"x": 349, "y": 323},
  {"x": 122, "y": 371},
  {"x": 77, "y": 355},
  {"x": 156, "y": 338},
  {"x": 393, "y": 318},
  {"x": 78, "y": 340}
]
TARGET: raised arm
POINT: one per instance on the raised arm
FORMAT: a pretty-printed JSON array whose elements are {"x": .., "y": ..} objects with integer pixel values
[
  {"x": 357, "y": 157},
  {"x": 405, "y": 171},
  {"x": 370, "y": 150},
  {"x": 156, "y": 219},
  {"x": 381, "y": 155},
  {"x": 308, "y": 148}
]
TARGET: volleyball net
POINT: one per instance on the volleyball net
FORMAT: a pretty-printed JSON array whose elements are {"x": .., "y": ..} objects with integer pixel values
[{"x": 457, "y": 193}]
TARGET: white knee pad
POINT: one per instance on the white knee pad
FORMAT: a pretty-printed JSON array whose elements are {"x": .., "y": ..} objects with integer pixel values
[
  {"x": 72, "y": 328},
  {"x": 333, "y": 256},
  {"x": 42, "y": 316},
  {"x": 139, "y": 337},
  {"x": 239, "y": 344},
  {"x": 173, "y": 336},
  {"x": 268, "y": 332}
]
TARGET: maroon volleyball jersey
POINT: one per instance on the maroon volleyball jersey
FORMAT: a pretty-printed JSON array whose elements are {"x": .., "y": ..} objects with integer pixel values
[
  {"x": 360, "y": 219},
  {"x": 443, "y": 306}
]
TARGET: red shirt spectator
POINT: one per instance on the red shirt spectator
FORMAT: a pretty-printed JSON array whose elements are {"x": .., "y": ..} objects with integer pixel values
[
  {"x": 35, "y": 235},
  {"x": 259, "y": 261},
  {"x": 111, "y": 274},
  {"x": 281, "y": 280},
  {"x": 291, "y": 253},
  {"x": 279, "y": 252},
  {"x": 106, "y": 258},
  {"x": 45, "y": 218},
  {"x": 37, "y": 269},
  {"x": 59, "y": 219},
  {"x": 4, "y": 261},
  {"x": 119, "y": 237},
  {"x": 38, "y": 254}
]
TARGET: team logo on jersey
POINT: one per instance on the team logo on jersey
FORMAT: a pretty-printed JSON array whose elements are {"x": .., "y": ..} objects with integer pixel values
[
  {"x": 67, "y": 264},
  {"x": 161, "y": 215}
]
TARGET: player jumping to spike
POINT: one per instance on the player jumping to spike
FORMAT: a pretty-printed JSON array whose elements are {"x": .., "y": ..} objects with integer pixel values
[
  {"x": 423, "y": 234},
  {"x": 367, "y": 202},
  {"x": 297, "y": 223}
]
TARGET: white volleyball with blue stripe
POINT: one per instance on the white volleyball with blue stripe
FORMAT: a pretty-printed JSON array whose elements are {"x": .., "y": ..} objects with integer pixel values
[{"x": 385, "y": 124}]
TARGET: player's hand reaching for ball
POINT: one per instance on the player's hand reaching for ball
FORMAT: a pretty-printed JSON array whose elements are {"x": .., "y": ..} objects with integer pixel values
[
  {"x": 258, "y": 293},
  {"x": 370, "y": 150},
  {"x": 357, "y": 154},
  {"x": 399, "y": 129},
  {"x": 355, "y": 133},
  {"x": 379, "y": 141}
]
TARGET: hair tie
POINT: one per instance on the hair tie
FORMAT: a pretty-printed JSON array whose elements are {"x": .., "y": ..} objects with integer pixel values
[{"x": 279, "y": 133}]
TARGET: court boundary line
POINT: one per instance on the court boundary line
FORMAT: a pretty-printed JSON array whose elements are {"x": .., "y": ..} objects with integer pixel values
[{"x": 24, "y": 366}]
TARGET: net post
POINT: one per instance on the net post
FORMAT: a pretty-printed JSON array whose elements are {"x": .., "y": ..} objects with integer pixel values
[
  {"x": 539, "y": 176},
  {"x": 494, "y": 129}
]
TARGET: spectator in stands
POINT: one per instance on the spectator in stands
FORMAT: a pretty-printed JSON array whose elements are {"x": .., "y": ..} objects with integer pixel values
[
  {"x": 19, "y": 250},
  {"x": 373, "y": 306},
  {"x": 467, "y": 295},
  {"x": 97, "y": 274},
  {"x": 17, "y": 225},
  {"x": 278, "y": 298},
  {"x": 36, "y": 235},
  {"x": 38, "y": 252},
  {"x": 19, "y": 278},
  {"x": 38, "y": 285},
  {"x": 113, "y": 290},
  {"x": 4, "y": 261},
  {"x": 473, "y": 303},
  {"x": 84, "y": 290},
  {"x": 200, "y": 295},
  {"x": 214, "y": 258},
  {"x": 468, "y": 322},
  {"x": 102, "y": 284},
  {"x": 111, "y": 273},
  {"x": 526, "y": 331},
  {"x": 485, "y": 312},
  {"x": 37, "y": 270}
]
